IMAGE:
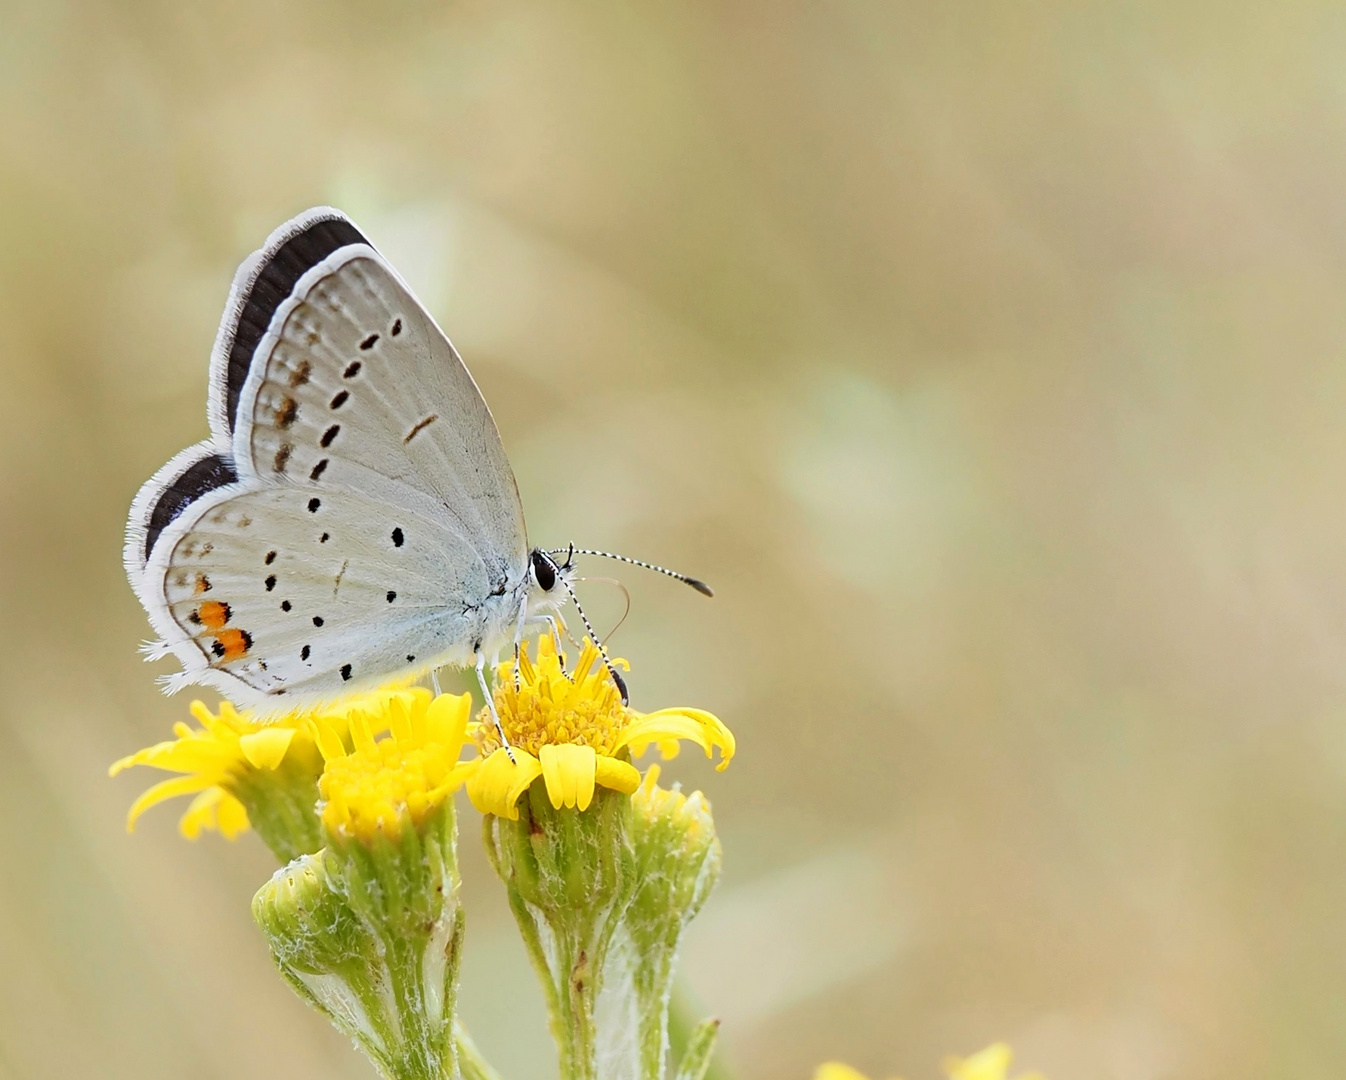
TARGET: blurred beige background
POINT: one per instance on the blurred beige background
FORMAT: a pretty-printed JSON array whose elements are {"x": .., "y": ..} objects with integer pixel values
[{"x": 989, "y": 359}]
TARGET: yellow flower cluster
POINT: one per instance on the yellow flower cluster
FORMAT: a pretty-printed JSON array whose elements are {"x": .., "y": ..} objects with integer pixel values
[
  {"x": 572, "y": 730},
  {"x": 569, "y": 728},
  {"x": 229, "y": 745}
]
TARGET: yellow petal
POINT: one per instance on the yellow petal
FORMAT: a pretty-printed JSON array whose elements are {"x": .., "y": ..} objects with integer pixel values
[
  {"x": 165, "y": 789},
  {"x": 669, "y": 749},
  {"x": 835, "y": 1070},
  {"x": 458, "y": 776},
  {"x": 569, "y": 771},
  {"x": 232, "y": 817},
  {"x": 194, "y": 754},
  {"x": 328, "y": 741},
  {"x": 989, "y": 1064},
  {"x": 447, "y": 719},
  {"x": 200, "y": 813},
  {"x": 497, "y": 783},
  {"x": 618, "y": 775},
  {"x": 265, "y": 749},
  {"x": 694, "y": 725}
]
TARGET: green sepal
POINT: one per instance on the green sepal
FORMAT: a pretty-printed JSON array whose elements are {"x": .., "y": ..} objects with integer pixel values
[
  {"x": 282, "y": 802},
  {"x": 696, "y": 1057}
]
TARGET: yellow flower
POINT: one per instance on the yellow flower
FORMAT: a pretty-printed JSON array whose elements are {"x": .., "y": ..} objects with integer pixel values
[
  {"x": 225, "y": 752},
  {"x": 574, "y": 732},
  {"x": 369, "y": 789},
  {"x": 835, "y": 1070},
  {"x": 990, "y": 1064}
]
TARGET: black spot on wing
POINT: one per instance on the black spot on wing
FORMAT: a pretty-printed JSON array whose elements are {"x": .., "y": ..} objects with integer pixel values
[
  {"x": 203, "y": 476},
  {"x": 272, "y": 285}
]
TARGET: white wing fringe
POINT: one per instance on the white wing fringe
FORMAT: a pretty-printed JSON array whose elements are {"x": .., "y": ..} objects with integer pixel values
[
  {"x": 155, "y": 650},
  {"x": 172, "y": 683}
]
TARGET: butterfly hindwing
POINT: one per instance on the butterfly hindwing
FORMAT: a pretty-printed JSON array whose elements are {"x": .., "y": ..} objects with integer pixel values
[{"x": 279, "y": 591}]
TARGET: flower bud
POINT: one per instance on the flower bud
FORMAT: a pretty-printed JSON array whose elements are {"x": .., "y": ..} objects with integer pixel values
[{"x": 676, "y": 857}]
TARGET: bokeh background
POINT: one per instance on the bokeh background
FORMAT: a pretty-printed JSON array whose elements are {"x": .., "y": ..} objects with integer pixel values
[{"x": 988, "y": 358}]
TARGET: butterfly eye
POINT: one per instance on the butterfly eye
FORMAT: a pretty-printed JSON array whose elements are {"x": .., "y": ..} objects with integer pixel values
[{"x": 542, "y": 570}]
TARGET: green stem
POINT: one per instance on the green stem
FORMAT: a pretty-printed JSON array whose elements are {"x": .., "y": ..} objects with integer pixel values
[
  {"x": 577, "y": 963},
  {"x": 651, "y": 986}
]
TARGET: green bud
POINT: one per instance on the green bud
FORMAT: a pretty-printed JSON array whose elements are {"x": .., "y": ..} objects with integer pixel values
[
  {"x": 368, "y": 931},
  {"x": 677, "y": 863}
]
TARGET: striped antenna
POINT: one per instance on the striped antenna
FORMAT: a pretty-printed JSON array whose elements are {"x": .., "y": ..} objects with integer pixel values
[
  {"x": 602, "y": 649},
  {"x": 697, "y": 584}
]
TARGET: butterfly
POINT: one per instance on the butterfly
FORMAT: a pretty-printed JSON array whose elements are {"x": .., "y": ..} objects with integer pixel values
[{"x": 352, "y": 516}]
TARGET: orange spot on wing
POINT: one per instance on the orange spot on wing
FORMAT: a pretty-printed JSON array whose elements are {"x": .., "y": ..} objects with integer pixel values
[
  {"x": 213, "y": 614},
  {"x": 232, "y": 644},
  {"x": 202, "y": 584}
]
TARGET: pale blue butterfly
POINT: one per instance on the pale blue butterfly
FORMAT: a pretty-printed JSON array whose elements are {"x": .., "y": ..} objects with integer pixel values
[{"x": 352, "y": 516}]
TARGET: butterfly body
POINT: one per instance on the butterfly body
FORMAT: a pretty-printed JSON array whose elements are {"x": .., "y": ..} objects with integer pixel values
[{"x": 353, "y": 515}]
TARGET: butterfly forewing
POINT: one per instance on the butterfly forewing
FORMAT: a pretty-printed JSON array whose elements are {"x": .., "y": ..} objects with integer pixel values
[{"x": 355, "y": 387}]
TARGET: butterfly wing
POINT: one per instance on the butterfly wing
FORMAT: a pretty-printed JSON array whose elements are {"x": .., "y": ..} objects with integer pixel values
[
  {"x": 330, "y": 385},
  {"x": 275, "y": 591}
]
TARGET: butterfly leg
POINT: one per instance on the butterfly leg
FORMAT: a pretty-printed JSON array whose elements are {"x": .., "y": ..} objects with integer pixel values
[
  {"x": 490, "y": 704},
  {"x": 518, "y": 636}
]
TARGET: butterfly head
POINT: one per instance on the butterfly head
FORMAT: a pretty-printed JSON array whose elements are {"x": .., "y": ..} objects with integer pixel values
[{"x": 550, "y": 576}]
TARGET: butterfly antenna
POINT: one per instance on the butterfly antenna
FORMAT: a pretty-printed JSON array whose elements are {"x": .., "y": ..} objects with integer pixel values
[
  {"x": 697, "y": 584},
  {"x": 602, "y": 649}
]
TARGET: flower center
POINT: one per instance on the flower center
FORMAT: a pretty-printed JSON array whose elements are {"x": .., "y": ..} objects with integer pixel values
[{"x": 549, "y": 706}]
